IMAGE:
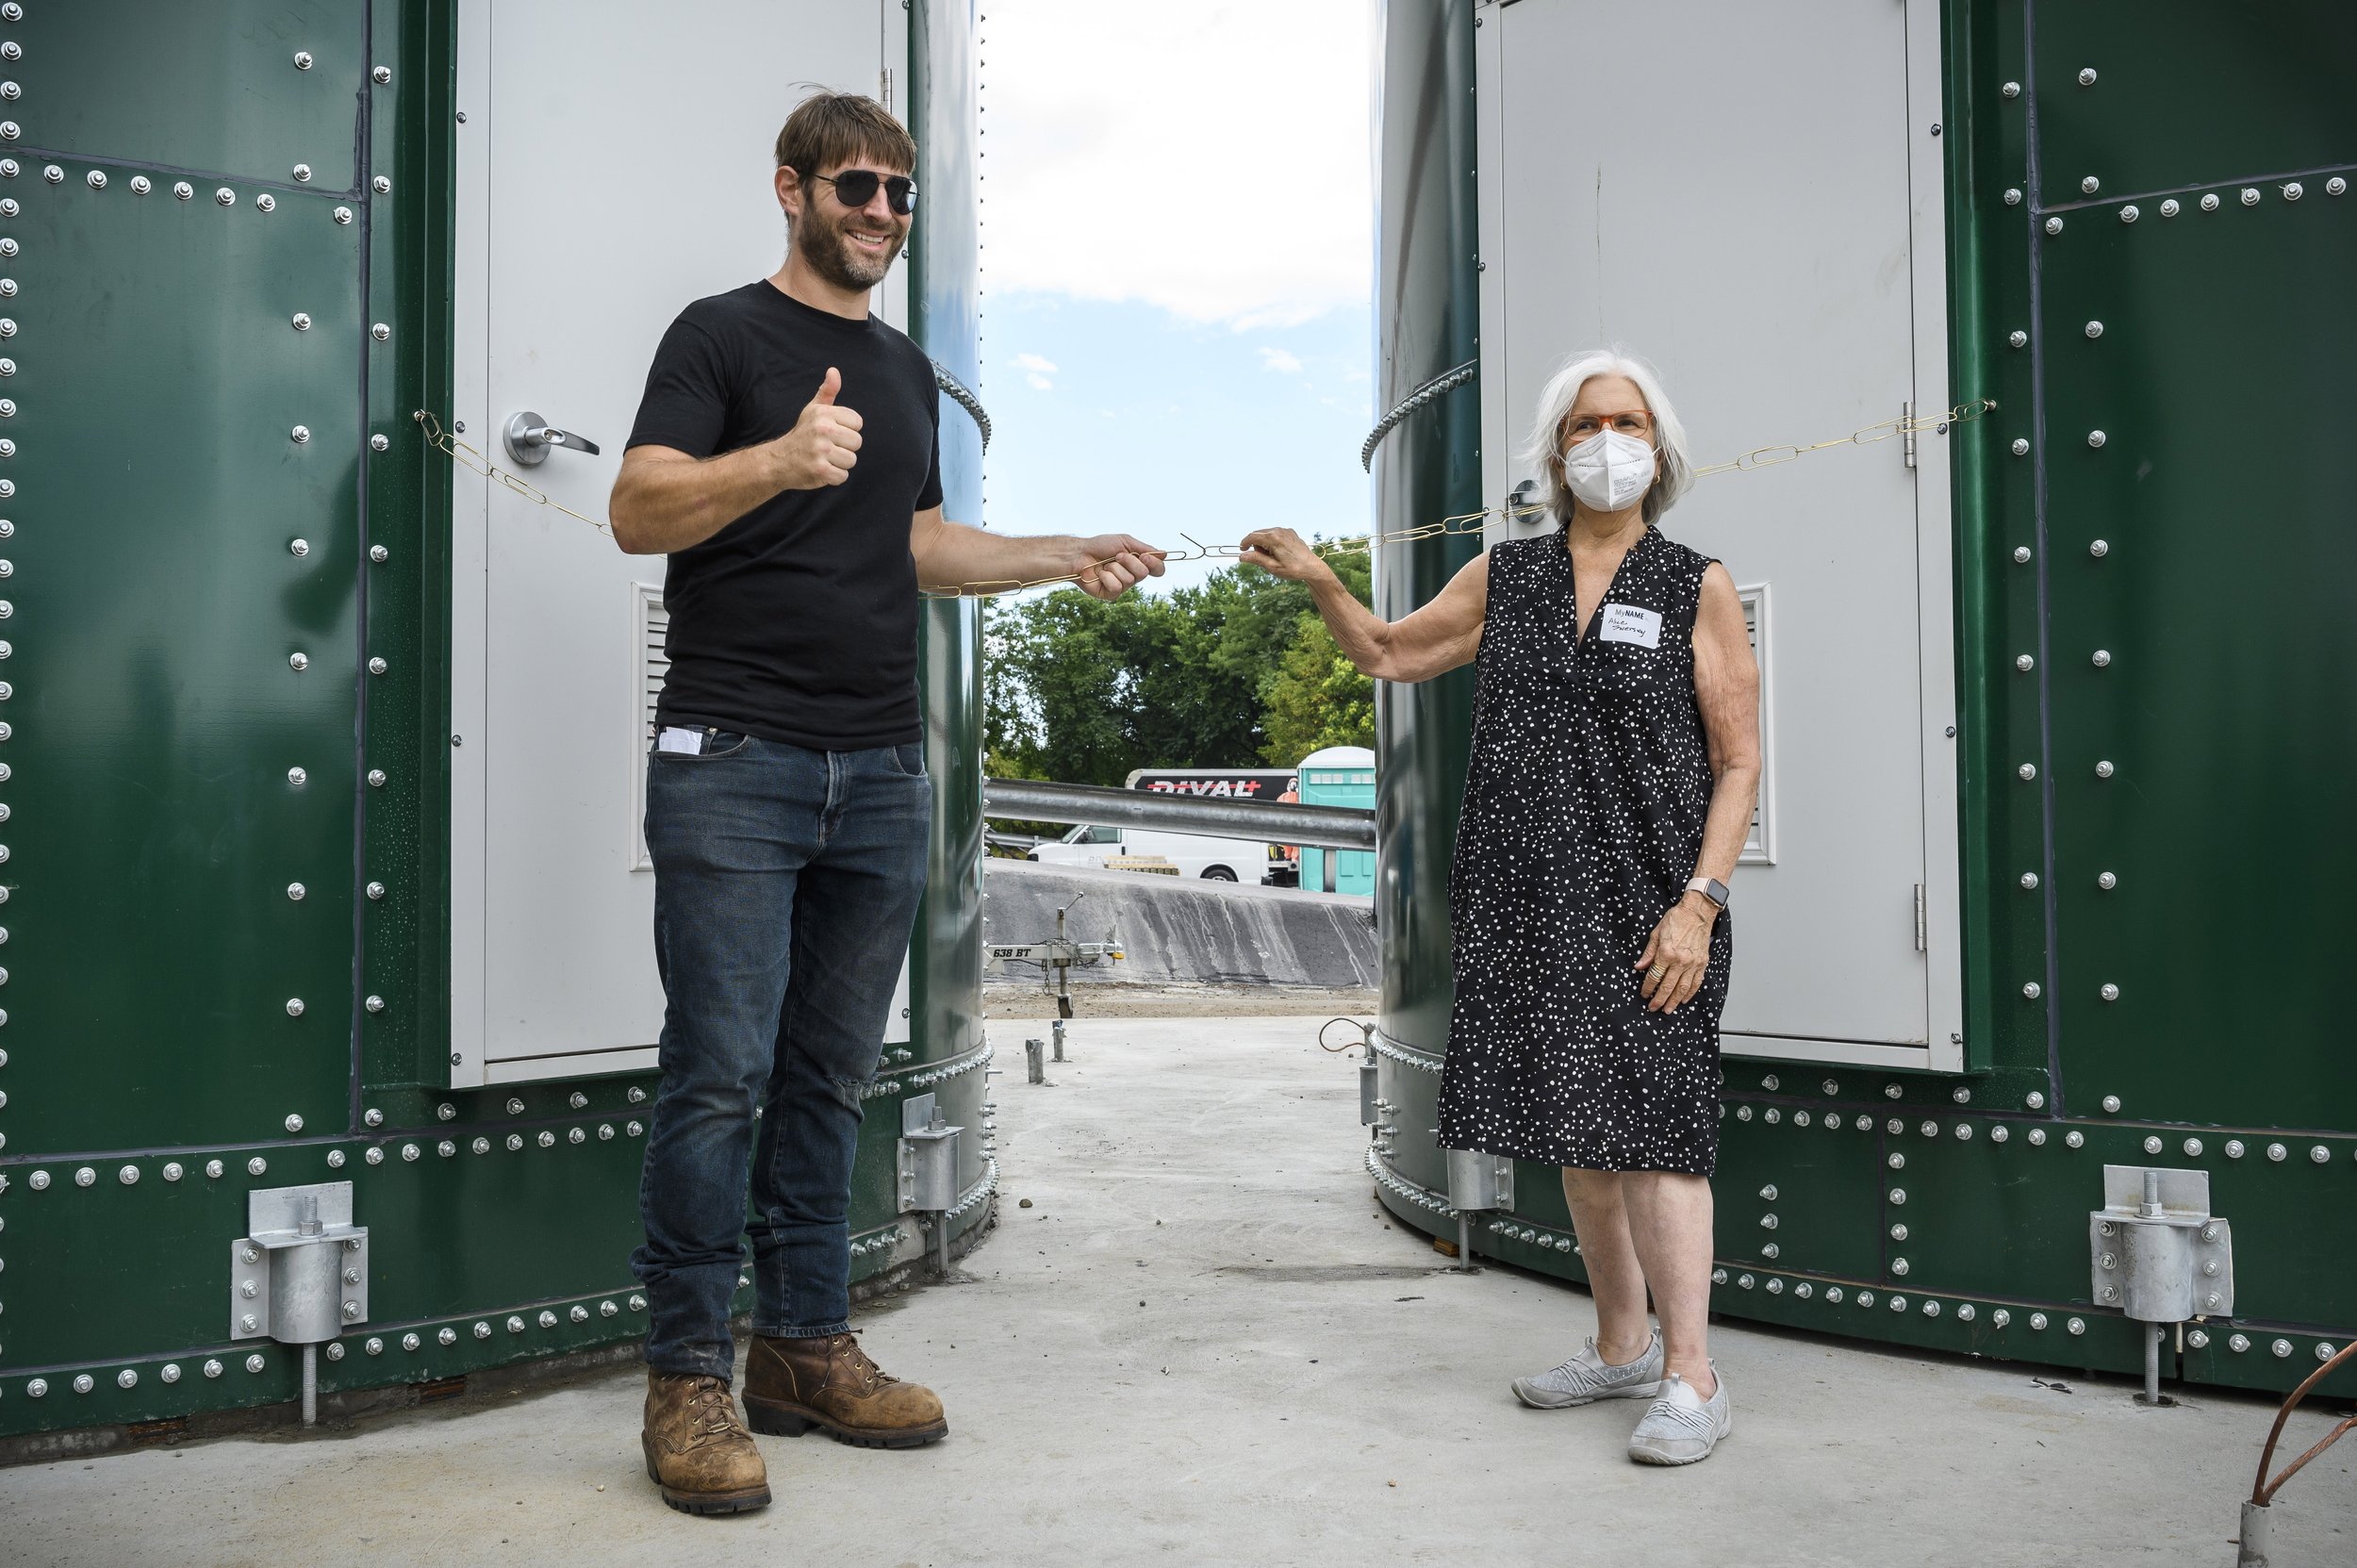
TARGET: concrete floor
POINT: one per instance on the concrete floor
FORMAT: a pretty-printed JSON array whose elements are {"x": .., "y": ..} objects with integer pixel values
[{"x": 1202, "y": 1345}]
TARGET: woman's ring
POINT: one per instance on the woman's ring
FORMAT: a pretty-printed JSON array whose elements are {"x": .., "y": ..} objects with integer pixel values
[{"x": 1655, "y": 972}]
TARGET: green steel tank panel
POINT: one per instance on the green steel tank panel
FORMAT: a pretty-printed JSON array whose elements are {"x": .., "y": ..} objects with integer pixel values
[
  {"x": 183, "y": 653},
  {"x": 244, "y": 90},
  {"x": 405, "y": 1044},
  {"x": 2181, "y": 93},
  {"x": 180, "y": 773},
  {"x": 2202, "y": 646},
  {"x": 2154, "y": 667},
  {"x": 1428, "y": 321},
  {"x": 945, "y": 318},
  {"x": 950, "y": 1057}
]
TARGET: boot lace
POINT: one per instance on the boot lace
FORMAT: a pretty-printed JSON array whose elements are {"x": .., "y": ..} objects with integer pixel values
[
  {"x": 711, "y": 1413},
  {"x": 856, "y": 1361}
]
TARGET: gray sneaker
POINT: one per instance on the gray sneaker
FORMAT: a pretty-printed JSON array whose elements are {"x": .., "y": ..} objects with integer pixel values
[
  {"x": 1588, "y": 1378},
  {"x": 1681, "y": 1426}
]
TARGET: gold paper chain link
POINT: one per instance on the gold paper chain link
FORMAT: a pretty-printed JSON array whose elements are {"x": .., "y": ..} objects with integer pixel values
[
  {"x": 475, "y": 462},
  {"x": 1465, "y": 522},
  {"x": 1908, "y": 425}
]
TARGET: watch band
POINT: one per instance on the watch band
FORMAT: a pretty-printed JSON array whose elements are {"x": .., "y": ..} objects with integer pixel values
[{"x": 1711, "y": 888}]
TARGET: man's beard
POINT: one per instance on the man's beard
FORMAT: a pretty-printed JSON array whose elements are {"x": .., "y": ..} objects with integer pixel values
[{"x": 830, "y": 256}]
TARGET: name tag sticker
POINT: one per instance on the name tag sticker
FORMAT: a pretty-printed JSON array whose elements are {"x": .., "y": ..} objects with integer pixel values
[
  {"x": 678, "y": 738},
  {"x": 1628, "y": 623}
]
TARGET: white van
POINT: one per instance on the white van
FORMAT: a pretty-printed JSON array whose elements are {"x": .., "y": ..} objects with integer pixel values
[{"x": 1195, "y": 854}]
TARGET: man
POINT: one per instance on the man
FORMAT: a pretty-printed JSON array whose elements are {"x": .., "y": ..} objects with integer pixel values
[{"x": 786, "y": 457}]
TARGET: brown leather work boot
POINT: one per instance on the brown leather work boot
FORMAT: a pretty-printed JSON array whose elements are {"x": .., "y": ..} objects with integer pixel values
[
  {"x": 792, "y": 1385},
  {"x": 697, "y": 1451}
]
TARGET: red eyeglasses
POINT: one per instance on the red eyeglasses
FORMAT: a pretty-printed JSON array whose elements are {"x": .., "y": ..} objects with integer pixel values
[{"x": 1629, "y": 421}]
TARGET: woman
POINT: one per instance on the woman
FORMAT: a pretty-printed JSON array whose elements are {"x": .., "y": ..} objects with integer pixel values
[{"x": 1615, "y": 760}]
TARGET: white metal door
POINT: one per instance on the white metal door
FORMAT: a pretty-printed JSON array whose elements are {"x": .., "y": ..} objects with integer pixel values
[
  {"x": 1751, "y": 198},
  {"x": 615, "y": 163}
]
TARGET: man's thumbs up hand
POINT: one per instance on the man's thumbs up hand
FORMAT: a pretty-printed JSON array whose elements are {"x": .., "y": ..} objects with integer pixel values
[{"x": 824, "y": 443}]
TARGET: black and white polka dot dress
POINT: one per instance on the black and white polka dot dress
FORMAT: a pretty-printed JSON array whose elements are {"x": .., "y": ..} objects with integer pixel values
[{"x": 1583, "y": 820}]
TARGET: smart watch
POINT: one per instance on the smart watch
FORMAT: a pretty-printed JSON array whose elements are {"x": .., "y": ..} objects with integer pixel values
[{"x": 1711, "y": 888}]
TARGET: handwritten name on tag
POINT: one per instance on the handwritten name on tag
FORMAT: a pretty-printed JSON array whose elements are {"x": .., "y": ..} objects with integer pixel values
[{"x": 1628, "y": 623}]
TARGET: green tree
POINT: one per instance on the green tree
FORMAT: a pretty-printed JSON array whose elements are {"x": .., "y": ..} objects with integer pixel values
[
  {"x": 1085, "y": 691},
  {"x": 1318, "y": 699}
]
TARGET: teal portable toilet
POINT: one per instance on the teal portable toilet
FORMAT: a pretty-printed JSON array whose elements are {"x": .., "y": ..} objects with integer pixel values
[{"x": 1339, "y": 776}]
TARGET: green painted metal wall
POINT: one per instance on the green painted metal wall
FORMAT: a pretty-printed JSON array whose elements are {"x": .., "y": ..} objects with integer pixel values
[
  {"x": 1428, "y": 320},
  {"x": 945, "y": 317},
  {"x": 170, "y": 768},
  {"x": 1952, "y": 1211}
]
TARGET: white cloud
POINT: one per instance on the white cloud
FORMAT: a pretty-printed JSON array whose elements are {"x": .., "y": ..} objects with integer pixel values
[
  {"x": 1211, "y": 158},
  {"x": 1279, "y": 361},
  {"x": 1035, "y": 363},
  {"x": 1040, "y": 382}
]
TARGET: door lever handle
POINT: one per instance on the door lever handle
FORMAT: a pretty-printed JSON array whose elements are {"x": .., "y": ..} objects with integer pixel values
[{"x": 529, "y": 437}]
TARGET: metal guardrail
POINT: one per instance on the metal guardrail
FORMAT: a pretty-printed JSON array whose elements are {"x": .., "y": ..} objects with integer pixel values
[{"x": 1274, "y": 821}]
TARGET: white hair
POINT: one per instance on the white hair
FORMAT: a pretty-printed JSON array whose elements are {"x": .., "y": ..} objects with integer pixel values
[{"x": 1562, "y": 390}]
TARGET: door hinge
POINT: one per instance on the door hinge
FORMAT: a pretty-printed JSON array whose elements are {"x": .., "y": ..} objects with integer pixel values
[
  {"x": 1906, "y": 429},
  {"x": 1923, "y": 934}
]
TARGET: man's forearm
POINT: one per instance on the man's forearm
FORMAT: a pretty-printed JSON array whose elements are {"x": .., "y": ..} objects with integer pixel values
[
  {"x": 665, "y": 503},
  {"x": 952, "y": 556}
]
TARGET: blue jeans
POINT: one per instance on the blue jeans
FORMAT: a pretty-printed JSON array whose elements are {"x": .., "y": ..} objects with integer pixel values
[{"x": 786, "y": 882}]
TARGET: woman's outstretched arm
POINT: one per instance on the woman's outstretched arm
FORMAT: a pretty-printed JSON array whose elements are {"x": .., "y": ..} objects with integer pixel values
[{"x": 1440, "y": 637}]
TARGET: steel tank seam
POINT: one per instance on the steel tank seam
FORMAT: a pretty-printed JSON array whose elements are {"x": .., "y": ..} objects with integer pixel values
[
  {"x": 1725, "y": 1270},
  {"x": 1414, "y": 1192},
  {"x": 2038, "y": 1119},
  {"x": 358, "y": 1333},
  {"x": 1407, "y": 1055},
  {"x": 163, "y": 1150},
  {"x": 915, "y": 1074},
  {"x": 2199, "y": 186},
  {"x": 363, "y": 165},
  {"x": 255, "y": 182}
]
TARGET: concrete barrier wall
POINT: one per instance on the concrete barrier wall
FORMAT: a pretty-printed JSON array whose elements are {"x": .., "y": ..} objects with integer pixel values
[{"x": 1175, "y": 930}]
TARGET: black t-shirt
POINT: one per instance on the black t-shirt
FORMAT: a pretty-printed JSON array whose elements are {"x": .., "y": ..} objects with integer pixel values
[{"x": 797, "y": 621}]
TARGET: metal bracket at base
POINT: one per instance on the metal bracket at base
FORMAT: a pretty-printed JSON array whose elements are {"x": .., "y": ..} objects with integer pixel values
[
  {"x": 1477, "y": 1180},
  {"x": 2155, "y": 1252},
  {"x": 928, "y": 1157},
  {"x": 300, "y": 1275}
]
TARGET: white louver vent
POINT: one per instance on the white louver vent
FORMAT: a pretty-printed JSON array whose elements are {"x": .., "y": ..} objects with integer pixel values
[
  {"x": 1760, "y": 845},
  {"x": 652, "y": 623}
]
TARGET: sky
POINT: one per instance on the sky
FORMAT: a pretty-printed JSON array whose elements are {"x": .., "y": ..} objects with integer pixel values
[{"x": 1177, "y": 268}]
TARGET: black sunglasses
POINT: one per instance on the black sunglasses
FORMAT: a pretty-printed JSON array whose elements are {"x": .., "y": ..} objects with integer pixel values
[{"x": 856, "y": 188}]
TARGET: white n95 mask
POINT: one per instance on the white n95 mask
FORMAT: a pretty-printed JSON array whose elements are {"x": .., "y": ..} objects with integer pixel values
[{"x": 1609, "y": 470}]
